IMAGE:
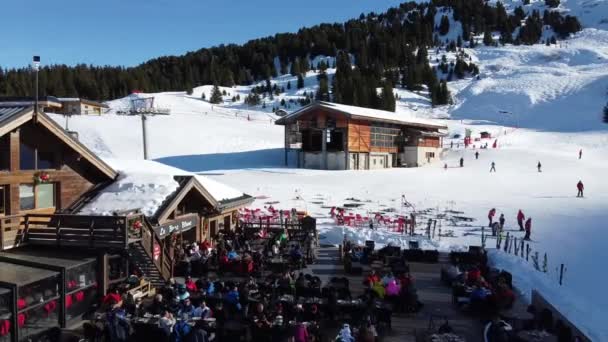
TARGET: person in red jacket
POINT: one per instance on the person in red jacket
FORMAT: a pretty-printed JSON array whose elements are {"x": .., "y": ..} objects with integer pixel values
[
  {"x": 491, "y": 214},
  {"x": 528, "y": 227},
  {"x": 520, "y": 219},
  {"x": 580, "y": 188}
]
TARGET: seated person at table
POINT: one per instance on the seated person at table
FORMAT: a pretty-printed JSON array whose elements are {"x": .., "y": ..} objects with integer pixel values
[
  {"x": 182, "y": 292},
  {"x": 345, "y": 334},
  {"x": 296, "y": 253},
  {"x": 388, "y": 277},
  {"x": 497, "y": 330},
  {"x": 301, "y": 333},
  {"x": 473, "y": 276},
  {"x": 157, "y": 307},
  {"x": 116, "y": 322},
  {"x": 167, "y": 322},
  {"x": 392, "y": 289},
  {"x": 203, "y": 311},
  {"x": 186, "y": 308},
  {"x": 504, "y": 296},
  {"x": 301, "y": 284},
  {"x": 220, "y": 314},
  {"x": 232, "y": 297},
  {"x": 357, "y": 254},
  {"x": 378, "y": 290},
  {"x": 371, "y": 279},
  {"x": 181, "y": 330},
  {"x": 191, "y": 285},
  {"x": 232, "y": 255},
  {"x": 478, "y": 297}
]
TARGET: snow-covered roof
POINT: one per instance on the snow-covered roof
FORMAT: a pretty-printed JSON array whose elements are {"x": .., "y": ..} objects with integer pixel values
[
  {"x": 219, "y": 191},
  {"x": 147, "y": 185},
  {"x": 401, "y": 118}
]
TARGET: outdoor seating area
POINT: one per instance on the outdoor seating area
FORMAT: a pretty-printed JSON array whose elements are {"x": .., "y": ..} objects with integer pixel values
[
  {"x": 488, "y": 294},
  {"x": 243, "y": 286}
]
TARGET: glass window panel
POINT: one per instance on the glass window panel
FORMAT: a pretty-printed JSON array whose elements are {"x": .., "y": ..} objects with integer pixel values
[
  {"x": 81, "y": 276},
  {"x": 26, "y": 157},
  {"x": 79, "y": 302},
  {"x": 26, "y": 196},
  {"x": 38, "y": 320},
  {"x": 46, "y": 160},
  {"x": 45, "y": 195},
  {"x": 6, "y": 298},
  {"x": 2, "y": 200}
]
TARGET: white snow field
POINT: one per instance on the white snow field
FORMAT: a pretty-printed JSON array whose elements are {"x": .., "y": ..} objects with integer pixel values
[{"x": 541, "y": 103}]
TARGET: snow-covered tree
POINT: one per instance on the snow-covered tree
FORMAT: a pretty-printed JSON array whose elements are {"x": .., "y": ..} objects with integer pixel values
[{"x": 216, "y": 95}]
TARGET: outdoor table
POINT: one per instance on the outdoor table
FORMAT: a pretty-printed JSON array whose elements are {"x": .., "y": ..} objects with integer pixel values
[
  {"x": 445, "y": 338},
  {"x": 517, "y": 317},
  {"x": 536, "y": 336},
  {"x": 312, "y": 300}
]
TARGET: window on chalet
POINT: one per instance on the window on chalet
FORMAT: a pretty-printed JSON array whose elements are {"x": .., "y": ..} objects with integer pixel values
[
  {"x": 27, "y": 157},
  {"x": 335, "y": 141},
  {"x": 3, "y": 200},
  {"x": 311, "y": 140},
  {"x": 384, "y": 135},
  {"x": 26, "y": 197},
  {"x": 37, "y": 196},
  {"x": 46, "y": 160},
  {"x": 5, "y": 153}
]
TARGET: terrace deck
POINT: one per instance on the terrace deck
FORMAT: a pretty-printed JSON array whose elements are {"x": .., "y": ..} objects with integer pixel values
[{"x": 436, "y": 297}]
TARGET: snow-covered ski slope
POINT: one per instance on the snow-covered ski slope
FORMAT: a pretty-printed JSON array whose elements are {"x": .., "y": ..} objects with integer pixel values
[{"x": 543, "y": 103}]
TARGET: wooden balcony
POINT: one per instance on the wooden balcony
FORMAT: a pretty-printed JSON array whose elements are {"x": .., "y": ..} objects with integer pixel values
[{"x": 69, "y": 230}]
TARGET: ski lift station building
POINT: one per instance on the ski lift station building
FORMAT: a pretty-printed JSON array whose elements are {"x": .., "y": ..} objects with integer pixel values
[{"x": 331, "y": 136}]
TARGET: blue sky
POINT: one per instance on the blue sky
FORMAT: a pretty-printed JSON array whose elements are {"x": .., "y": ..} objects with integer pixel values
[{"x": 129, "y": 32}]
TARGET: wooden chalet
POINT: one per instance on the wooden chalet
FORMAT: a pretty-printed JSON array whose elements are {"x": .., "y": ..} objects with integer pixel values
[
  {"x": 56, "y": 259},
  {"x": 333, "y": 136}
]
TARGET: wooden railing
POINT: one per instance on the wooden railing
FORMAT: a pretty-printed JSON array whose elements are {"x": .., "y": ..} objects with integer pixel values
[
  {"x": 77, "y": 230},
  {"x": 157, "y": 251},
  {"x": 11, "y": 231},
  {"x": 87, "y": 231}
]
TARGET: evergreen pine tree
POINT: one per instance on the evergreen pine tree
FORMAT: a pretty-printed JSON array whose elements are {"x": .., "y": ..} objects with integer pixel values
[
  {"x": 216, "y": 95},
  {"x": 300, "y": 84},
  {"x": 388, "y": 97},
  {"x": 295, "y": 67},
  {"x": 204, "y": 97},
  {"x": 288, "y": 85},
  {"x": 606, "y": 113},
  {"x": 487, "y": 38},
  {"x": 323, "y": 91},
  {"x": 444, "y": 25}
]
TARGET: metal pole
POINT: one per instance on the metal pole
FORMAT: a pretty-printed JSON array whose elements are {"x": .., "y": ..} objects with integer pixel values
[
  {"x": 144, "y": 135},
  {"x": 36, "y": 96}
]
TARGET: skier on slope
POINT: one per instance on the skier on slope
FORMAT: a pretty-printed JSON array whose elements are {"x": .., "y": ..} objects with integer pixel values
[
  {"x": 461, "y": 162},
  {"x": 493, "y": 167},
  {"x": 580, "y": 153},
  {"x": 580, "y": 188},
  {"x": 528, "y": 227},
  {"x": 502, "y": 221},
  {"x": 520, "y": 219},
  {"x": 491, "y": 214},
  {"x": 539, "y": 167},
  {"x": 476, "y": 154}
]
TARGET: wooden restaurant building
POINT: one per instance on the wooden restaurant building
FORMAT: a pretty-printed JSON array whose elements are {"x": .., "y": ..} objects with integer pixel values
[
  {"x": 60, "y": 246},
  {"x": 331, "y": 136}
]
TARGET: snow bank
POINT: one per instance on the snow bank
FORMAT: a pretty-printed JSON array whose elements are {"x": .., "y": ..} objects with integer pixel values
[{"x": 526, "y": 278}]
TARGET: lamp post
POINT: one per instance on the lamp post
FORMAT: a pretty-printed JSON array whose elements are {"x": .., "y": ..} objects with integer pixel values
[{"x": 36, "y": 66}]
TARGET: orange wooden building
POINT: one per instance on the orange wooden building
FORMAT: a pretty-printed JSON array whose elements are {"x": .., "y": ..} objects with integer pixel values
[{"x": 333, "y": 136}]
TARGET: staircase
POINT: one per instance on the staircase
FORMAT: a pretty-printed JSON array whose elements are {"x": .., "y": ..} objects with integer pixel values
[
  {"x": 132, "y": 233},
  {"x": 142, "y": 261}
]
